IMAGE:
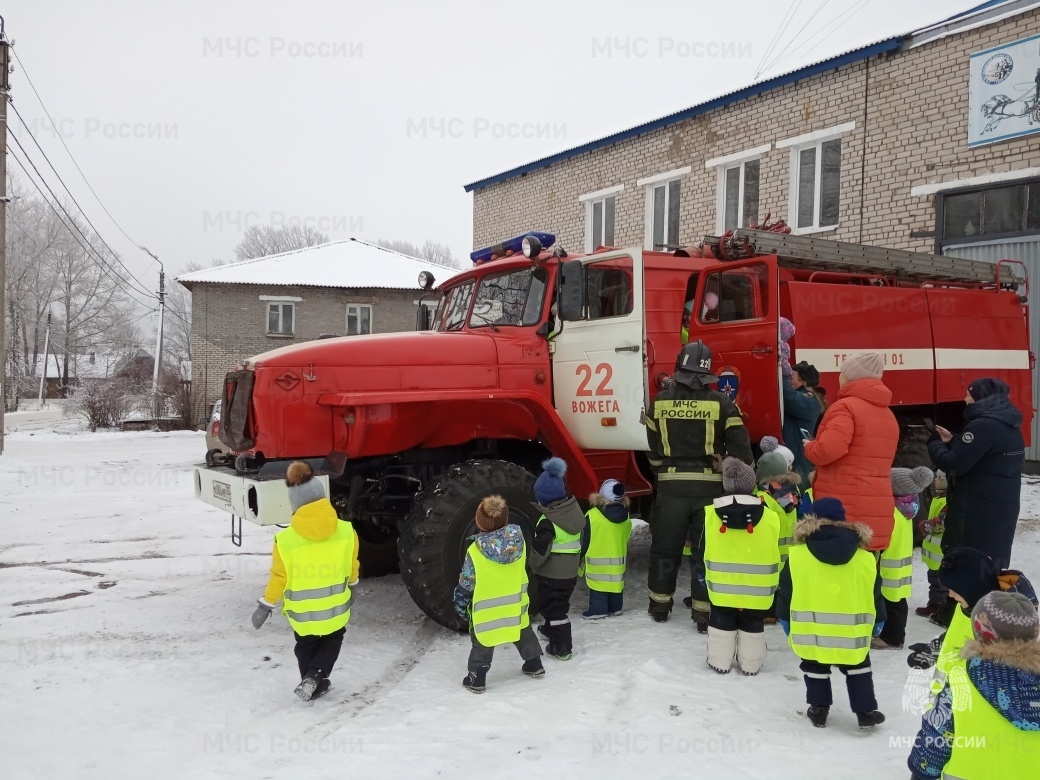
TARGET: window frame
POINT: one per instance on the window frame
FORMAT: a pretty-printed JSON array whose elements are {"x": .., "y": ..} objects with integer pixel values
[
  {"x": 590, "y": 199},
  {"x": 798, "y": 144},
  {"x": 280, "y": 303},
  {"x": 650, "y": 183},
  {"x": 726, "y": 163},
  {"x": 371, "y": 319},
  {"x": 757, "y": 299},
  {"x": 940, "y": 214}
]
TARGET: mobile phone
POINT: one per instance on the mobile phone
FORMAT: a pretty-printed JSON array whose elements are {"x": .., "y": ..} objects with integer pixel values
[
  {"x": 805, "y": 434},
  {"x": 929, "y": 425}
]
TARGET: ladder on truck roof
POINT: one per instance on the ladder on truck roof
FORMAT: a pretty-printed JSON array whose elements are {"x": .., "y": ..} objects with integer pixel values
[{"x": 821, "y": 254}]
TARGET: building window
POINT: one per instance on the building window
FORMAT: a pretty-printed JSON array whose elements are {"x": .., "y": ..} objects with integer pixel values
[
  {"x": 663, "y": 196},
  {"x": 599, "y": 217},
  {"x": 359, "y": 319},
  {"x": 816, "y": 178},
  {"x": 995, "y": 212},
  {"x": 280, "y": 318}
]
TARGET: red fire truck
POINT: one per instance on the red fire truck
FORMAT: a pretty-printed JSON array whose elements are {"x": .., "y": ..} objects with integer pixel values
[{"x": 534, "y": 352}]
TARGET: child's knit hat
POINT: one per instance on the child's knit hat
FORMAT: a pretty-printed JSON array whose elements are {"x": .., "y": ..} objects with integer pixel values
[
  {"x": 492, "y": 514},
  {"x": 910, "y": 482},
  {"x": 303, "y": 487},
  {"x": 1002, "y": 616},
  {"x": 771, "y": 464},
  {"x": 612, "y": 490},
  {"x": 738, "y": 478},
  {"x": 549, "y": 486}
]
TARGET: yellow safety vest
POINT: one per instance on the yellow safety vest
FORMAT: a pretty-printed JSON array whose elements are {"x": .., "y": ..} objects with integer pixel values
[
  {"x": 985, "y": 744},
  {"x": 897, "y": 560},
  {"x": 931, "y": 545},
  {"x": 317, "y": 572},
  {"x": 832, "y": 607},
  {"x": 608, "y": 549},
  {"x": 741, "y": 569},
  {"x": 959, "y": 632},
  {"x": 500, "y": 603},
  {"x": 787, "y": 521},
  {"x": 563, "y": 542}
]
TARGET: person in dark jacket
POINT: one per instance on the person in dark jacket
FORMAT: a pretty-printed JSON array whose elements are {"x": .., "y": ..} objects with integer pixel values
[
  {"x": 1002, "y": 668},
  {"x": 801, "y": 413},
  {"x": 832, "y": 540},
  {"x": 556, "y": 555},
  {"x": 983, "y": 467},
  {"x": 689, "y": 426}
]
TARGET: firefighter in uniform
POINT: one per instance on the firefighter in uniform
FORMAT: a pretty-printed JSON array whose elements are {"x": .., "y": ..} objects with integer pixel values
[{"x": 689, "y": 427}]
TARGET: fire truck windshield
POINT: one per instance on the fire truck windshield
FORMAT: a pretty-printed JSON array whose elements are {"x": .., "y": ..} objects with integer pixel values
[
  {"x": 512, "y": 298},
  {"x": 454, "y": 306}
]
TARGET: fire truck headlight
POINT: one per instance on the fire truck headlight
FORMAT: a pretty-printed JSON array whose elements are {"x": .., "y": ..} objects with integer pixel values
[
  {"x": 531, "y": 247},
  {"x": 426, "y": 280}
]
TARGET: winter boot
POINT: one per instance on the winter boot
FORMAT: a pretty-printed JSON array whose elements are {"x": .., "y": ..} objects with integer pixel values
[
  {"x": 721, "y": 647},
  {"x": 751, "y": 651},
  {"x": 557, "y": 652},
  {"x": 309, "y": 684},
  {"x": 818, "y": 716},
  {"x": 877, "y": 643},
  {"x": 476, "y": 680},
  {"x": 589, "y": 615},
  {"x": 867, "y": 720},
  {"x": 543, "y": 629},
  {"x": 927, "y": 611},
  {"x": 322, "y": 689},
  {"x": 659, "y": 610},
  {"x": 533, "y": 668}
]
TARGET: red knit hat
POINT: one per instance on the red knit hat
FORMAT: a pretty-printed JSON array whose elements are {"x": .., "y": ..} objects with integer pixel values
[{"x": 492, "y": 514}]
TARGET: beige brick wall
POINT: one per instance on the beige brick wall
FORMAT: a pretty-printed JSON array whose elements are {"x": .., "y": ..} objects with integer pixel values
[
  {"x": 914, "y": 131},
  {"x": 229, "y": 324}
]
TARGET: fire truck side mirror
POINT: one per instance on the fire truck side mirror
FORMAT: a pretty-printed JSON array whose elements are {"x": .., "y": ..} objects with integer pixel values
[
  {"x": 423, "y": 317},
  {"x": 572, "y": 291}
]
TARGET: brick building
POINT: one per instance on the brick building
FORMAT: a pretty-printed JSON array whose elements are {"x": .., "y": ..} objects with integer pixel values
[
  {"x": 342, "y": 288},
  {"x": 928, "y": 141}
]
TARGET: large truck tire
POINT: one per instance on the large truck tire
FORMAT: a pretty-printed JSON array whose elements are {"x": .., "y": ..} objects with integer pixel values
[{"x": 436, "y": 535}]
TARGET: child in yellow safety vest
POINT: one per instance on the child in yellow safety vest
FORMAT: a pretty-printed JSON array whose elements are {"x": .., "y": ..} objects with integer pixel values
[
  {"x": 314, "y": 565},
  {"x": 778, "y": 488},
  {"x": 492, "y": 594},
  {"x": 741, "y": 555},
  {"x": 829, "y": 604},
  {"x": 986, "y": 722},
  {"x": 556, "y": 556},
  {"x": 605, "y": 547},
  {"x": 897, "y": 560},
  {"x": 932, "y": 529}
]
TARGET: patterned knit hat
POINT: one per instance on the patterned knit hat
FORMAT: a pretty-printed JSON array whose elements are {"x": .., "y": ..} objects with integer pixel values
[
  {"x": 1002, "y": 616},
  {"x": 612, "y": 490},
  {"x": 492, "y": 514}
]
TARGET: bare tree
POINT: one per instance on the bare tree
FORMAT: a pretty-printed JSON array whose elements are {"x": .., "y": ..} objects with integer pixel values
[
  {"x": 264, "y": 240},
  {"x": 431, "y": 251}
]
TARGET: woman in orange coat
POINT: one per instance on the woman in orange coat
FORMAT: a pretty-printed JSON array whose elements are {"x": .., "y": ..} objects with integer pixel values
[{"x": 855, "y": 446}]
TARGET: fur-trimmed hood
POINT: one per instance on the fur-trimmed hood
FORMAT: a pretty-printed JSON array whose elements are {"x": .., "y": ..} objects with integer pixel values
[
  {"x": 614, "y": 511},
  {"x": 1007, "y": 675},
  {"x": 830, "y": 541}
]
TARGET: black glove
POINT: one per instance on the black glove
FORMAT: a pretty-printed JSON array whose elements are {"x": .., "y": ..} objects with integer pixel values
[{"x": 925, "y": 654}]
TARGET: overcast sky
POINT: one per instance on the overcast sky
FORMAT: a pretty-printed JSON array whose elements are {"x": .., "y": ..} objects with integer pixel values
[{"x": 194, "y": 119}]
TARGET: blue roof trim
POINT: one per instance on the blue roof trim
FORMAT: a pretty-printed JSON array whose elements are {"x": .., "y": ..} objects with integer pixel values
[{"x": 882, "y": 47}]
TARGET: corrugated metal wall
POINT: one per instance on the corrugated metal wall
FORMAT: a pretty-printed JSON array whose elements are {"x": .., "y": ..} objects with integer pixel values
[{"x": 1028, "y": 251}]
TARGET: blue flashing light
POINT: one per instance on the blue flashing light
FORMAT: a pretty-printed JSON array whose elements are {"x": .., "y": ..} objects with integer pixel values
[{"x": 510, "y": 245}]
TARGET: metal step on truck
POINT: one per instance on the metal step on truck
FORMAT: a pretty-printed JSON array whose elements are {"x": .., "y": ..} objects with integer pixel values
[{"x": 534, "y": 351}]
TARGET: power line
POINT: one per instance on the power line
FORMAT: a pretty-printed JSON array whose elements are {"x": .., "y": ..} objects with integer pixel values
[
  {"x": 97, "y": 232},
  {"x": 777, "y": 56},
  {"x": 831, "y": 27},
  {"x": 69, "y": 151},
  {"x": 776, "y": 36},
  {"x": 102, "y": 267}
]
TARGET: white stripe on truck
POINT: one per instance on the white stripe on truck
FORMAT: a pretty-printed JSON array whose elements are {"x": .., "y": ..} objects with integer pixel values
[{"x": 943, "y": 359}]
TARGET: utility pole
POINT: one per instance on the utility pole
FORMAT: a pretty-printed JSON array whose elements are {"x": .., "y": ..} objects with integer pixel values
[
  {"x": 46, "y": 355},
  {"x": 5, "y": 85},
  {"x": 158, "y": 336}
]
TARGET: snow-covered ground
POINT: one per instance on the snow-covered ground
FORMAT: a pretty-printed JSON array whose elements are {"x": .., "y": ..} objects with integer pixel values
[{"x": 127, "y": 652}]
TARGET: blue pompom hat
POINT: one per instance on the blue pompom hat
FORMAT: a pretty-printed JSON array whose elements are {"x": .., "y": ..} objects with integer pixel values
[{"x": 549, "y": 486}]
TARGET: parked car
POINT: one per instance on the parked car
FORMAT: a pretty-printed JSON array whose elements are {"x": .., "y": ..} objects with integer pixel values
[{"x": 214, "y": 446}]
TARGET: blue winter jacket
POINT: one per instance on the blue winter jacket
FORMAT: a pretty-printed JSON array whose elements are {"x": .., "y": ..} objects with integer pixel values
[
  {"x": 1007, "y": 675},
  {"x": 801, "y": 410}
]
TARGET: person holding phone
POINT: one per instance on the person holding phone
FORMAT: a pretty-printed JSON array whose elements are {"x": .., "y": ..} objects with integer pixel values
[{"x": 801, "y": 411}]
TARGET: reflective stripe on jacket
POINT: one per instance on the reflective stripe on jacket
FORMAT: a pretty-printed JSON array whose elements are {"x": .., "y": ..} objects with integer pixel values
[
  {"x": 832, "y": 607},
  {"x": 500, "y": 603},
  {"x": 741, "y": 569},
  {"x": 897, "y": 560},
  {"x": 316, "y": 600},
  {"x": 605, "y": 560}
]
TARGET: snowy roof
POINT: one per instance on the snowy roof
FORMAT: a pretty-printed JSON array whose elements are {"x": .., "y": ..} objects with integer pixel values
[
  {"x": 984, "y": 13},
  {"x": 347, "y": 264}
]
